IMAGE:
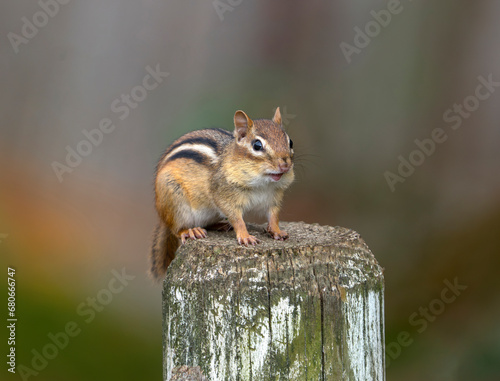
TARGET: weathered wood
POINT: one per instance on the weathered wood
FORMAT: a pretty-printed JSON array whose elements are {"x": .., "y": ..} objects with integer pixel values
[
  {"x": 309, "y": 308},
  {"x": 187, "y": 373}
]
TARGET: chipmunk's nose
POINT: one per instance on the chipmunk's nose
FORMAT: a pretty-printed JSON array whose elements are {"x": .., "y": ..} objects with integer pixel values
[{"x": 284, "y": 164}]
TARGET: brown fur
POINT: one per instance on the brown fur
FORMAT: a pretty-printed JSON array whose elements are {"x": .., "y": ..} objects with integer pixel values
[{"x": 163, "y": 248}]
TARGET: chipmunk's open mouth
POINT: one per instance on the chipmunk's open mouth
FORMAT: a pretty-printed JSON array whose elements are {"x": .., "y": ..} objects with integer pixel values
[{"x": 276, "y": 176}]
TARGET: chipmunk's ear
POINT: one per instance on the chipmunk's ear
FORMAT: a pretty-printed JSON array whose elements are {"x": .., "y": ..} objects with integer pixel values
[
  {"x": 277, "y": 117},
  {"x": 242, "y": 124}
]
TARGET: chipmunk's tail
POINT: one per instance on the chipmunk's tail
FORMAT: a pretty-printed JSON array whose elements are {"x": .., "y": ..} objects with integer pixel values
[{"x": 163, "y": 248}]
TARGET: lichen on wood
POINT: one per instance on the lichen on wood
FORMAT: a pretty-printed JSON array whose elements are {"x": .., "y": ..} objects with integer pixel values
[{"x": 309, "y": 308}]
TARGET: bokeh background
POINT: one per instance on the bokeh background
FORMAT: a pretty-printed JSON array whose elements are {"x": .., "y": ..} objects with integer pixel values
[{"x": 350, "y": 121}]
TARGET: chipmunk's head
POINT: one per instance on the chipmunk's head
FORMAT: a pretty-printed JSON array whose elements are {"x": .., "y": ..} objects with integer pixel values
[{"x": 265, "y": 150}]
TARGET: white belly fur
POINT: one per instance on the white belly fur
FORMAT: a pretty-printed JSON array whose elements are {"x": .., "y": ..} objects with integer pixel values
[
  {"x": 259, "y": 202},
  {"x": 192, "y": 218}
]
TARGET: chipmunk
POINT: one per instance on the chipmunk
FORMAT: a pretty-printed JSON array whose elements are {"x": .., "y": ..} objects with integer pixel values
[{"x": 210, "y": 175}]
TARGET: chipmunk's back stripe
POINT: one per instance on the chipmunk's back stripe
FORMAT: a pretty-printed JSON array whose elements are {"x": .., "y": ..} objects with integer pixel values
[
  {"x": 210, "y": 143},
  {"x": 201, "y": 149},
  {"x": 191, "y": 141},
  {"x": 189, "y": 154}
]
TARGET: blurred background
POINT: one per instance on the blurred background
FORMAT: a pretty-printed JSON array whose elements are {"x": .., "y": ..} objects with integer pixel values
[{"x": 353, "y": 105}]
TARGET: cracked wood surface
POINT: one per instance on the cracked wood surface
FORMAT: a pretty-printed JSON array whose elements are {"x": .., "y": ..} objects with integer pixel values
[{"x": 309, "y": 308}]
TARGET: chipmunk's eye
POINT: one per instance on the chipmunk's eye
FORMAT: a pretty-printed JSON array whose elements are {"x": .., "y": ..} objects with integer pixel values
[
  {"x": 257, "y": 145},
  {"x": 291, "y": 143}
]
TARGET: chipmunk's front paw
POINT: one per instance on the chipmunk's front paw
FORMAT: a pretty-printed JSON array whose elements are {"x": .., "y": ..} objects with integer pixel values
[
  {"x": 193, "y": 233},
  {"x": 248, "y": 240},
  {"x": 278, "y": 235}
]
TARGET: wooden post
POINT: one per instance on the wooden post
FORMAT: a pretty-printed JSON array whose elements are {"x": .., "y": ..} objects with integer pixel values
[{"x": 309, "y": 308}]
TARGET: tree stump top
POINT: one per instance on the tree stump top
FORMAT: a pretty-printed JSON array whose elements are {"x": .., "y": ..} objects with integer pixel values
[{"x": 198, "y": 258}]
